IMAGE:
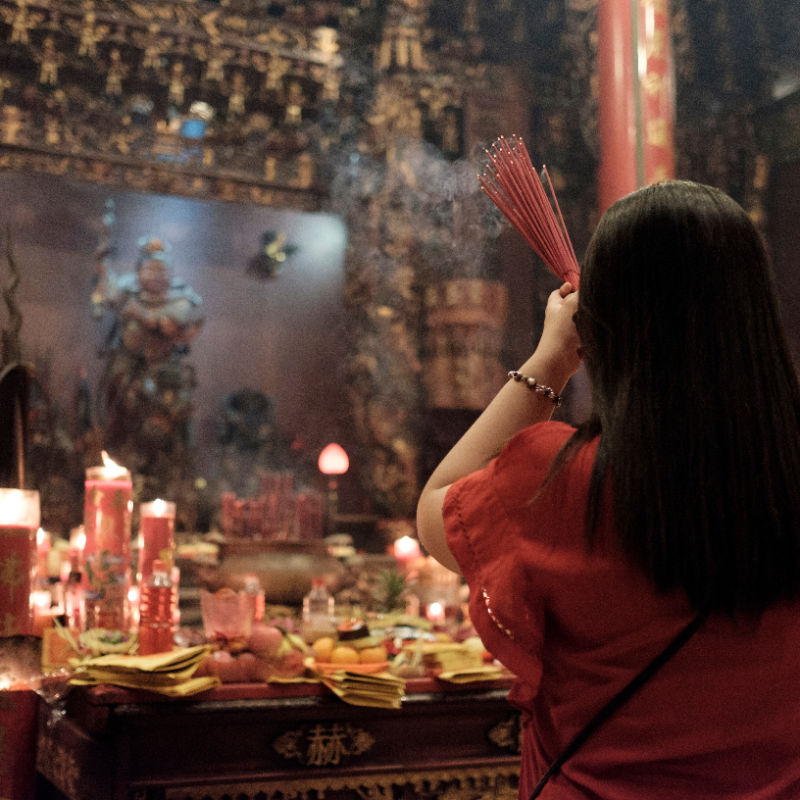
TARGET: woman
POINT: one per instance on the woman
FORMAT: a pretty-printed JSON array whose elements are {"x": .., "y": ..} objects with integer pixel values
[{"x": 586, "y": 550}]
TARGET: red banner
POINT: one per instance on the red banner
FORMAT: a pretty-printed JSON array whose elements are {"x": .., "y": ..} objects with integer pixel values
[{"x": 656, "y": 90}]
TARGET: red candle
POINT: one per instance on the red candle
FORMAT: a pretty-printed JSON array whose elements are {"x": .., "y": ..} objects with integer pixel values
[
  {"x": 156, "y": 536},
  {"x": 19, "y": 521},
  {"x": 107, "y": 556}
]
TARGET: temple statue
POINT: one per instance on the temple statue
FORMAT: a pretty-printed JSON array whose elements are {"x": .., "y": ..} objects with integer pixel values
[{"x": 147, "y": 386}]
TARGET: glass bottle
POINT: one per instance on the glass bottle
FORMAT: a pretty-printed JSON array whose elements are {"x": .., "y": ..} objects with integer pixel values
[
  {"x": 73, "y": 594},
  {"x": 156, "y": 609},
  {"x": 318, "y": 612},
  {"x": 255, "y": 597}
]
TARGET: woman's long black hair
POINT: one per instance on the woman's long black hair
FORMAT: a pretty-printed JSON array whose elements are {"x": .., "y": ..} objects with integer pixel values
[{"x": 695, "y": 398}]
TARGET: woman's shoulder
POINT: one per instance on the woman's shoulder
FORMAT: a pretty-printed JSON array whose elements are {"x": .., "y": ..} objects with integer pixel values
[
  {"x": 537, "y": 444},
  {"x": 527, "y": 460},
  {"x": 542, "y": 434}
]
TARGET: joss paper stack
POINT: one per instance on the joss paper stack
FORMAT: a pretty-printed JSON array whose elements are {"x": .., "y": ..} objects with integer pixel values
[
  {"x": 456, "y": 662},
  {"x": 169, "y": 673},
  {"x": 379, "y": 690}
]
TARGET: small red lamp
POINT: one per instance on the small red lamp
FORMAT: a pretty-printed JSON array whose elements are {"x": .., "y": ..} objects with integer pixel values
[{"x": 332, "y": 461}]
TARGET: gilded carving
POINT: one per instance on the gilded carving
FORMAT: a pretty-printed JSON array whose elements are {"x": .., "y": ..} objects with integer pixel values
[
  {"x": 58, "y": 765},
  {"x": 323, "y": 745},
  {"x": 456, "y": 783},
  {"x": 261, "y": 80},
  {"x": 22, "y": 22},
  {"x": 401, "y": 46},
  {"x": 507, "y": 735},
  {"x": 90, "y": 33}
]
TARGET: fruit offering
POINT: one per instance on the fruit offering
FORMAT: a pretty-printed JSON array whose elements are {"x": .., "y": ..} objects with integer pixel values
[
  {"x": 268, "y": 653},
  {"x": 353, "y": 645}
]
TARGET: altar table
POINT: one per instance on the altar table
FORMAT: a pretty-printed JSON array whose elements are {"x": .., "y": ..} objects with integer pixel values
[{"x": 275, "y": 742}]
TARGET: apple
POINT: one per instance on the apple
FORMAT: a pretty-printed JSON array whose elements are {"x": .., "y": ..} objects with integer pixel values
[{"x": 265, "y": 640}]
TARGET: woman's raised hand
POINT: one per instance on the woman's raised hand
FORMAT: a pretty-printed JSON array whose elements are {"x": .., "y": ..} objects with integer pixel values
[{"x": 559, "y": 345}]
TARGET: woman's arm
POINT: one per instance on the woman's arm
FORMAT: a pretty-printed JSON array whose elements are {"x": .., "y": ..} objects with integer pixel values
[{"x": 554, "y": 362}]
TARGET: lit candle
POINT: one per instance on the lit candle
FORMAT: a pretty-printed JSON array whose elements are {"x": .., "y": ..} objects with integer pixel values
[
  {"x": 107, "y": 524},
  {"x": 133, "y": 599},
  {"x": 77, "y": 548},
  {"x": 406, "y": 549},
  {"x": 435, "y": 612},
  {"x": 42, "y": 616},
  {"x": 77, "y": 539},
  {"x": 156, "y": 536},
  {"x": 43, "y": 544},
  {"x": 19, "y": 521}
]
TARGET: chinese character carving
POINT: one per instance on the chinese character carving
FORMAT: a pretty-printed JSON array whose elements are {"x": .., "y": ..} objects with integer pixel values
[{"x": 323, "y": 745}]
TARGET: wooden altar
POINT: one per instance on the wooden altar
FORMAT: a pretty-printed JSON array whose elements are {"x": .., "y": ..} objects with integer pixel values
[{"x": 249, "y": 741}]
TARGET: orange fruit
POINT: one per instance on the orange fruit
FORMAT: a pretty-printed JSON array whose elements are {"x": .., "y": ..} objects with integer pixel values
[
  {"x": 323, "y": 647},
  {"x": 344, "y": 655},
  {"x": 372, "y": 655}
]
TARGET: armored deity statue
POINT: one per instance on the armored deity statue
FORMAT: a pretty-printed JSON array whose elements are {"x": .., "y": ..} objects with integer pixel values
[{"x": 147, "y": 386}]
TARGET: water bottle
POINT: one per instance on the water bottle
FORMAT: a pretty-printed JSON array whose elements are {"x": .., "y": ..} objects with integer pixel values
[
  {"x": 156, "y": 610},
  {"x": 255, "y": 597},
  {"x": 318, "y": 619}
]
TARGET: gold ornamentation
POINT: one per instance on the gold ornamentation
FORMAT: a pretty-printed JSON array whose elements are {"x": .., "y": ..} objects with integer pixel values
[
  {"x": 11, "y": 574},
  {"x": 58, "y": 766},
  {"x": 149, "y": 57},
  {"x": 657, "y": 132},
  {"x": 456, "y": 783},
  {"x": 50, "y": 61},
  {"x": 507, "y": 735},
  {"x": 325, "y": 41},
  {"x": 323, "y": 745},
  {"x": 90, "y": 33}
]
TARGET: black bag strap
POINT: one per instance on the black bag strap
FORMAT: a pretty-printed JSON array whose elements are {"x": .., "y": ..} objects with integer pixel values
[{"x": 618, "y": 700}]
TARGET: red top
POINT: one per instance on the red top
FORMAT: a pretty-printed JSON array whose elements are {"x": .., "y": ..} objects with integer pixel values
[{"x": 720, "y": 721}]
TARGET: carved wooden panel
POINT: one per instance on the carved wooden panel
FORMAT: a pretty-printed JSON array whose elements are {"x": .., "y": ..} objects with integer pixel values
[{"x": 198, "y": 98}]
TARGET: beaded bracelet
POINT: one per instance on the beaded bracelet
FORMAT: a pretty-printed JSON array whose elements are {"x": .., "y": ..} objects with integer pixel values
[{"x": 555, "y": 399}]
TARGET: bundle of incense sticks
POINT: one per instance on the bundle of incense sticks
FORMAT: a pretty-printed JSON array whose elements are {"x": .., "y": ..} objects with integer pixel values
[{"x": 512, "y": 184}]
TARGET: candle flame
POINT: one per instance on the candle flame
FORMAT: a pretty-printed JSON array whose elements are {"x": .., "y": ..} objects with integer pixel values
[
  {"x": 19, "y": 507},
  {"x": 435, "y": 611},
  {"x": 406, "y": 547},
  {"x": 159, "y": 507},
  {"x": 113, "y": 469},
  {"x": 41, "y": 599},
  {"x": 78, "y": 539}
]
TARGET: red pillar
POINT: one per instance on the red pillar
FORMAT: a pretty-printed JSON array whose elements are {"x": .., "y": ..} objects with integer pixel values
[
  {"x": 617, "y": 174},
  {"x": 636, "y": 96}
]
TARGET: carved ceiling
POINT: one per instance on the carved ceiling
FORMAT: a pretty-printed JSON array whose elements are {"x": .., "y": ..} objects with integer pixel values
[{"x": 187, "y": 97}]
